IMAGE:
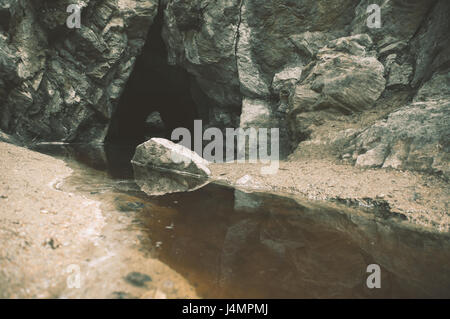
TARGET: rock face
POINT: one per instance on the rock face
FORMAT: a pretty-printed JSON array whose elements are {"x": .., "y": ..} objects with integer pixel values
[
  {"x": 312, "y": 68},
  {"x": 6, "y": 138},
  {"x": 416, "y": 137},
  {"x": 61, "y": 84},
  {"x": 345, "y": 78}
]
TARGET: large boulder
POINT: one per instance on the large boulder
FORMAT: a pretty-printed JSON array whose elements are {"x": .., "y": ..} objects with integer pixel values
[
  {"x": 344, "y": 78},
  {"x": 161, "y": 167},
  {"x": 163, "y": 154}
]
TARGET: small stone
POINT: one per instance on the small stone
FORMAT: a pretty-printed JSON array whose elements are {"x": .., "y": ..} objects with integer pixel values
[
  {"x": 244, "y": 180},
  {"x": 154, "y": 121},
  {"x": 137, "y": 279},
  {"x": 160, "y": 295},
  {"x": 171, "y": 226},
  {"x": 52, "y": 242},
  {"x": 346, "y": 156},
  {"x": 130, "y": 207}
]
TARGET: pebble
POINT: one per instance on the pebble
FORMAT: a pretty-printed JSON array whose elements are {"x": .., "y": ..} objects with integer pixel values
[
  {"x": 137, "y": 279},
  {"x": 160, "y": 295},
  {"x": 53, "y": 243},
  {"x": 244, "y": 180},
  {"x": 171, "y": 226}
]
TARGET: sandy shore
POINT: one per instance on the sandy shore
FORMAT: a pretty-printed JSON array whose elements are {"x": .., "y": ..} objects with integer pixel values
[{"x": 47, "y": 235}]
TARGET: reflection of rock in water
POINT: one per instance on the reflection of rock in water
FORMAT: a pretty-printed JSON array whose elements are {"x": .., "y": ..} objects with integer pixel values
[
  {"x": 247, "y": 202},
  {"x": 155, "y": 182},
  {"x": 285, "y": 250},
  {"x": 291, "y": 256},
  {"x": 115, "y": 159},
  {"x": 235, "y": 239}
]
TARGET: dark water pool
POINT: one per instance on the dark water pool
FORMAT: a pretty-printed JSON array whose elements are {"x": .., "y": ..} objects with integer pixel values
[{"x": 228, "y": 243}]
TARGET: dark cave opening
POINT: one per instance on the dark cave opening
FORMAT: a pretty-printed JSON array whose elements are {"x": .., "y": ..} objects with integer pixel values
[
  {"x": 154, "y": 89},
  {"x": 5, "y": 19}
]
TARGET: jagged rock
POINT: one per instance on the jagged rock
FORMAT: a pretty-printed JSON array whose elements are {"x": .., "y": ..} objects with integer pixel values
[
  {"x": 286, "y": 79},
  {"x": 431, "y": 45},
  {"x": 234, "y": 49},
  {"x": 373, "y": 158},
  {"x": 345, "y": 78},
  {"x": 309, "y": 43},
  {"x": 390, "y": 45},
  {"x": 6, "y": 138},
  {"x": 259, "y": 114},
  {"x": 399, "y": 20},
  {"x": 273, "y": 26},
  {"x": 63, "y": 84},
  {"x": 164, "y": 154},
  {"x": 155, "y": 122},
  {"x": 399, "y": 74},
  {"x": 415, "y": 137},
  {"x": 256, "y": 114},
  {"x": 201, "y": 38}
]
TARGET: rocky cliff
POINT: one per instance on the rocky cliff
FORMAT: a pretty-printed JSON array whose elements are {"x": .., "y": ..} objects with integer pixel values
[
  {"x": 374, "y": 97},
  {"x": 62, "y": 84}
]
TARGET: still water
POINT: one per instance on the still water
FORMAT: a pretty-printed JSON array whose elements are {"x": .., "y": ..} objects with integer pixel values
[{"x": 232, "y": 244}]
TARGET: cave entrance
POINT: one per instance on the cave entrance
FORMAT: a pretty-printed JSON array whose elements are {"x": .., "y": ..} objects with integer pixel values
[{"x": 157, "y": 97}]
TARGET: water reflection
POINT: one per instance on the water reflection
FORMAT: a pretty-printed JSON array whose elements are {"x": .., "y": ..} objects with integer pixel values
[
  {"x": 233, "y": 244},
  {"x": 112, "y": 158},
  {"x": 156, "y": 182}
]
